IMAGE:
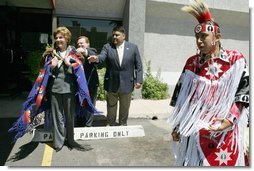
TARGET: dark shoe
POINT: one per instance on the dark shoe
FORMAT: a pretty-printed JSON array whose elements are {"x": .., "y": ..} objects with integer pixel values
[
  {"x": 78, "y": 147},
  {"x": 69, "y": 147},
  {"x": 58, "y": 149},
  {"x": 113, "y": 124}
]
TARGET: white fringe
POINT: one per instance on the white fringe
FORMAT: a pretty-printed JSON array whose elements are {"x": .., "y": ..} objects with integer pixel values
[
  {"x": 199, "y": 101},
  {"x": 194, "y": 105},
  {"x": 187, "y": 156}
]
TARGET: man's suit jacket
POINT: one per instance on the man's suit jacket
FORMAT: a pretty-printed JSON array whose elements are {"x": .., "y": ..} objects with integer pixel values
[
  {"x": 91, "y": 71},
  {"x": 125, "y": 76}
]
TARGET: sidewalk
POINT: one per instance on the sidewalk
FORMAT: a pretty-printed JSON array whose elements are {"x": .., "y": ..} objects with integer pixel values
[
  {"x": 139, "y": 108},
  {"x": 143, "y": 108},
  {"x": 151, "y": 150}
]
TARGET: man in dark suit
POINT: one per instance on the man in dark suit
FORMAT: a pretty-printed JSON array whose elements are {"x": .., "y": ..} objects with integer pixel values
[
  {"x": 91, "y": 73},
  {"x": 124, "y": 71}
]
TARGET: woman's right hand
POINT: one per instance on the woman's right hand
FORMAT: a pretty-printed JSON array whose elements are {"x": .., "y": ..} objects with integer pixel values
[{"x": 54, "y": 62}]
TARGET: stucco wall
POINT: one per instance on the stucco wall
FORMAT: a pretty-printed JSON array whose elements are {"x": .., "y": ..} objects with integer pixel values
[
  {"x": 162, "y": 31},
  {"x": 169, "y": 36},
  {"x": 234, "y": 5},
  {"x": 110, "y": 9}
]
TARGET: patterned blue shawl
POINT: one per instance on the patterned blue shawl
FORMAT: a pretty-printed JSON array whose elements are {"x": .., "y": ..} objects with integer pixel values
[{"x": 36, "y": 102}]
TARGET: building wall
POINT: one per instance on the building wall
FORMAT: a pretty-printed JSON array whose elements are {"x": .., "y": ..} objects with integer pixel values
[
  {"x": 234, "y": 5},
  {"x": 169, "y": 37},
  {"x": 162, "y": 31},
  {"x": 136, "y": 12},
  {"x": 109, "y": 9}
]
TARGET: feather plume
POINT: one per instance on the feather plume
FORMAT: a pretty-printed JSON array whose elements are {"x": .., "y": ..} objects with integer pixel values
[{"x": 199, "y": 10}]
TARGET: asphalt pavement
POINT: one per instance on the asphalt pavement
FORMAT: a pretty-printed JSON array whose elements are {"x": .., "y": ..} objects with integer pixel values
[{"x": 153, "y": 149}]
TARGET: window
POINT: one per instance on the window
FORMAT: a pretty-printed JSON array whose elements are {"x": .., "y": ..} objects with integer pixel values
[{"x": 98, "y": 31}]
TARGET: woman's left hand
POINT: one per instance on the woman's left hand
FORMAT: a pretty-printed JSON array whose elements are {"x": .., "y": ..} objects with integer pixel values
[
  {"x": 219, "y": 124},
  {"x": 67, "y": 60}
]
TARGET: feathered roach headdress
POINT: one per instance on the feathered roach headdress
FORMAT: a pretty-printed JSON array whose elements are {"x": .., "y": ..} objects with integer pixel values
[{"x": 201, "y": 12}]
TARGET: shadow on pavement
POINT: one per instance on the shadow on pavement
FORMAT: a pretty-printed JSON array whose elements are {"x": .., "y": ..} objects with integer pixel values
[
  {"x": 9, "y": 111},
  {"x": 6, "y": 143},
  {"x": 99, "y": 120},
  {"x": 11, "y": 106},
  {"x": 79, "y": 147},
  {"x": 24, "y": 151}
]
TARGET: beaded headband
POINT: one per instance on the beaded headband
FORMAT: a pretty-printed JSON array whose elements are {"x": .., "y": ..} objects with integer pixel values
[
  {"x": 201, "y": 12},
  {"x": 206, "y": 27}
]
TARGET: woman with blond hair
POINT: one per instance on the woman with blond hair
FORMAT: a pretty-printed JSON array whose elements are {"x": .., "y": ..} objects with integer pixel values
[{"x": 60, "y": 91}]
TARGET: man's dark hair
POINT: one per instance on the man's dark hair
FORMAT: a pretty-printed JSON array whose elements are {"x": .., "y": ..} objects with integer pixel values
[{"x": 120, "y": 29}]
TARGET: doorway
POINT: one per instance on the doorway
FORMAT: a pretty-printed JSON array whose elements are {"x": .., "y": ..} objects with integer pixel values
[{"x": 22, "y": 30}]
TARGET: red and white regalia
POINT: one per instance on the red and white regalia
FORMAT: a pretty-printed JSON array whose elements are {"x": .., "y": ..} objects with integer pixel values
[{"x": 217, "y": 87}]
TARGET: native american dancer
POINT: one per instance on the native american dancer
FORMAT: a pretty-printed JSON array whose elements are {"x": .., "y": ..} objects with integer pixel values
[
  {"x": 211, "y": 100},
  {"x": 36, "y": 109}
]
